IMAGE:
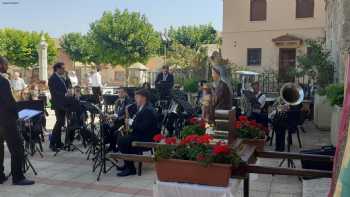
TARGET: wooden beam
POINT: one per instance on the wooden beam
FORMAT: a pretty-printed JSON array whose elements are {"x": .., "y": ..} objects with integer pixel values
[
  {"x": 131, "y": 157},
  {"x": 288, "y": 171},
  {"x": 299, "y": 156}
]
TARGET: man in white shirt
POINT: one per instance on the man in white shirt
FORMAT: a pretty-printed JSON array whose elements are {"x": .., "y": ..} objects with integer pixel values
[
  {"x": 73, "y": 78},
  {"x": 18, "y": 85},
  {"x": 259, "y": 109},
  {"x": 96, "y": 84}
]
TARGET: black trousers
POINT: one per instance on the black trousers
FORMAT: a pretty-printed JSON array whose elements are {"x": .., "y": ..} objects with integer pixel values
[
  {"x": 97, "y": 92},
  {"x": 125, "y": 147},
  {"x": 57, "y": 129},
  {"x": 14, "y": 141}
]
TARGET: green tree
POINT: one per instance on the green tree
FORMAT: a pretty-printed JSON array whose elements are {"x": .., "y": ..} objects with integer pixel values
[
  {"x": 123, "y": 37},
  {"x": 194, "y": 36},
  {"x": 21, "y": 47}
]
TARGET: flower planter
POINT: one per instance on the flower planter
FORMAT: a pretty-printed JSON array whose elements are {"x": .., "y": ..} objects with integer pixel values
[
  {"x": 182, "y": 171},
  {"x": 322, "y": 110},
  {"x": 335, "y": 124},
  {"x": 258, "y": 143}
]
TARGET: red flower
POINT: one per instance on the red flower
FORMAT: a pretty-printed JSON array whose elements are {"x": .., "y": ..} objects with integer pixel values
[
  {"x": 200, "y": 157},
  {"x": 204, "y": 139},
  {"x": 253, "y": 123},
  {"x": 170, "y": 140},
  {"x": 202, "y": 124},
  {"x": 158, "y": 137},
  {"x": 238, "y": 125},
  {"x": 243, "y": 118},
  {"x": 189, "y": 139},
  {"x": 193, "y": 120},
  {"x": 221, "y": 149}
]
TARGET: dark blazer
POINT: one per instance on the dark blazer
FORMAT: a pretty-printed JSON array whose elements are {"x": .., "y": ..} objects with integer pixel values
[
  {"x": 169, "y": 80},
  {"x": 8, "y": 109},
  {"x": 222, "y": 97},
  {"x": 58, "y": 89},
  {"x": 145, "y": 124},
  {"x": 120, "y": 107}
]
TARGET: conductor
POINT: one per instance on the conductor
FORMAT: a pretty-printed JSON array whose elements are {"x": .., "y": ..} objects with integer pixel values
[
  {"x": 164, "y": 82},
  {"x": 9, "y": 132}
]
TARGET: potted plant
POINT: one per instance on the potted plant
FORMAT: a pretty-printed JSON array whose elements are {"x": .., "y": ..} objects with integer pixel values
[
  {"x": 251, "y": 132},
  {"x": 194, "y": 160},
  {"x": 196, "y": 126},
  {"x": 317, "y": 65},
  {"x": 335, "y": 95}
]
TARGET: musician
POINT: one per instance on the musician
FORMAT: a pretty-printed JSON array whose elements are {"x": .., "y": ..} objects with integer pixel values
[
  {"x": 9, "y": 132},
  {"x": 59, "y": 85},
  {"x": 259, "y": 108},
  {"x": 96, "y": 84},
  {"x": 222, "y": 94},
  {"x": 118, "y": 118},
  {"x": 144, "y": 127},
  {"x": 165, "y": 82}
]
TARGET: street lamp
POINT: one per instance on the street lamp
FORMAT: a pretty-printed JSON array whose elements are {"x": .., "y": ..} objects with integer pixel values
[{"x": 165, "y": 38}]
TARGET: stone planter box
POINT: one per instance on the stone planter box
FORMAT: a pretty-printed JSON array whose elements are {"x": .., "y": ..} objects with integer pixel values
[
  {"x": 336, "y": 114},
  {"x": 258, "y": 143},
  {"x": 322, "y": 112},
  {"x": 182, "y": 171}
]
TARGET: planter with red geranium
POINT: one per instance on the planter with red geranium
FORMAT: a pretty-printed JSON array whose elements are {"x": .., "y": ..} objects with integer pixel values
[
  {"x": 251, "y": 133},
  {"x": 193, "y": 160}
]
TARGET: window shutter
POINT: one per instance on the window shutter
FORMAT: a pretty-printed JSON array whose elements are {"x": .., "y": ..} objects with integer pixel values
[
  {"x": 258, "y": 10},
  {"x": 305, "y": 8}
]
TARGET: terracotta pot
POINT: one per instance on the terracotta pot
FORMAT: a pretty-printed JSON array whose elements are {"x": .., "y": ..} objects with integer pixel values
[
  {"x": 258, "y": 143},
  {"x": 183, "y": 171}
]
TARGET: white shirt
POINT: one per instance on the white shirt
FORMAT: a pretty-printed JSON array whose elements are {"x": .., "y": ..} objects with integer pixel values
[
  {"x": 261, "y": 99},
  {"x": 74, "y": 81},
  {"x": 96, "y": 80},
  {"x": 18, "y": 84}
]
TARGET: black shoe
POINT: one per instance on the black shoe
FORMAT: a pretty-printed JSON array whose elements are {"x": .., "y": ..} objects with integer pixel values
[
  {"x": 54, "y": 148},
  {"x": 127, "y": 172},
  {"x": 121, "y": 168},
  {"x": 24, "y": 182},
  {"x": 3, "y": 179},
  {"x": 60, "y": 145}
]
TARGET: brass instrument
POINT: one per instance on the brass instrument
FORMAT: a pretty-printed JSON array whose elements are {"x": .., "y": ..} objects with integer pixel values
[{"x": 292, "y": 94}]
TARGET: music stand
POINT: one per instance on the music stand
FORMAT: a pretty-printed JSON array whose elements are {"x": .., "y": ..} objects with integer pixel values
[{"x": 26, "y": 115}]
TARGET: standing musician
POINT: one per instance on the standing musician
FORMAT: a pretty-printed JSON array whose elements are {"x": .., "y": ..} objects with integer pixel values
[
  {"x": 165, "y": 82},
  {"x": 59, "y": 84},
  {"x": 144, "y": 127},
  {"x": 96, "y": 84},
  {"x": 222, "y": 94},
  {"x": 259, "y": 107},
  {"x": 9, "y": 132}
]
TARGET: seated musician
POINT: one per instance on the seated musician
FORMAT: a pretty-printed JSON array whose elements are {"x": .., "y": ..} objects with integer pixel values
[
  {"x": 144, "y": 127},
  {"x": 259, "y": 109},
  {"x": 118, "y": 119}
]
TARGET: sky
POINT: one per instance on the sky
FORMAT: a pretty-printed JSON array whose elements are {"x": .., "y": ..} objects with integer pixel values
[{"x": 58, "y": 17}]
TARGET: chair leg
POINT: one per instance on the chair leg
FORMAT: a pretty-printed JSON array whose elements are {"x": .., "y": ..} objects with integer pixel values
[
  {"x": 139, "y": 170},
  {"x": 272, "y": 135},
  {"x": 299, "y": 140}
]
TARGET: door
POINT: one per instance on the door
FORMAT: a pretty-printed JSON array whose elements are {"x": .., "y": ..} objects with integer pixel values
[{"x": 287, "y": 61}]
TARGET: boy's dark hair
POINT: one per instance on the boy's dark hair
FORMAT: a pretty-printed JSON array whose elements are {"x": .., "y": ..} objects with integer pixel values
[
  {"x": 57, "y": 66},
  {"x": 143, "y": 92},
  {"x": 3, "y": 61}
]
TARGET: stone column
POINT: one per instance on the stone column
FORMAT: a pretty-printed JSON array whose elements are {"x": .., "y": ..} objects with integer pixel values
[{"x": 42, "y": 51}]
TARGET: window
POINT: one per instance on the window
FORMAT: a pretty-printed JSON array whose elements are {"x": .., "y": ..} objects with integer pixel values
[
  {"x": 305, "y": 8},
  {"x": 257, "y": 10},
  {"x": 254, "y": 57}
]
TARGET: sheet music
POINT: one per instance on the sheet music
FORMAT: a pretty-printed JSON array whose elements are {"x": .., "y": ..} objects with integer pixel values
[{"x": 27, "y": 114}]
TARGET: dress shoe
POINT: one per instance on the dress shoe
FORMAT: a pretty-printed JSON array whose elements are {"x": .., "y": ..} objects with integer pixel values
[
  {"x": 121, "y": 168},
  {"x": 127, "y": 172},
  {"x": 3, "y": 179},
  {"x": 54, "y": 148},
  {"x": 60, "y": 145},
  {"x": 24, "y": 182}
]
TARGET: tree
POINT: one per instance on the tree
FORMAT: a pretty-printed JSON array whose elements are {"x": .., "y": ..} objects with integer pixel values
[
  {"x": 124, "y": 38},
  {"x": 194, "y": 36},
  {"x": 21, "y": 47},
  {"x": 73, "y": 45}
]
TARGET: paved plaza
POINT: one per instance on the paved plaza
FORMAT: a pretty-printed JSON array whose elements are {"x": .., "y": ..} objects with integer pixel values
[{"x": 70, "y": 174}]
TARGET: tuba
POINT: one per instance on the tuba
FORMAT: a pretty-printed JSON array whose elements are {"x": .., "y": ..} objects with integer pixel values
[{"x": 292, "y": 94}]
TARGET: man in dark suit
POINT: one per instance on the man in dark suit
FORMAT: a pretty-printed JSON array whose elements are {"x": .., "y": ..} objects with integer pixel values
[
  {"x": 164, "y": 82},
  {"x": 9, "y": 132},
  {"x": 144, "y": 127},
  {"x": 59, "y": 85}
]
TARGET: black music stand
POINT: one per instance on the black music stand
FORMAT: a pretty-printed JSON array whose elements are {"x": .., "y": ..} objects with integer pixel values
[{"x": 24, "y": 116}]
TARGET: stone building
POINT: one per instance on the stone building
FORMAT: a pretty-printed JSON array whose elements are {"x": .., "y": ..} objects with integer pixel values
[{"x": 338, "y": 34}]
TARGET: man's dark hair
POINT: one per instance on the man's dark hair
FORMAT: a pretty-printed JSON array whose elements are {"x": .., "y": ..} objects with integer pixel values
[
  {"x": 143, "y": 92},
  {"x": 166, "y": 67},
  {"x": 57, "y": 66},
  {"x": 3, "y": 61}
]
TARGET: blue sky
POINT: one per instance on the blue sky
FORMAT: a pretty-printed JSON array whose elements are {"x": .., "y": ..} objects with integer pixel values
[{"x": 61, "y": 16}]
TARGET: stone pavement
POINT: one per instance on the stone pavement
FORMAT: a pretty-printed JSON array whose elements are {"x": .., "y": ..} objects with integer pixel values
[{"x": 70, "y": 174}]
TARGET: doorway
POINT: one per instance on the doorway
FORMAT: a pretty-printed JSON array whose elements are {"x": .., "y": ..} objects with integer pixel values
[{"x": 287, "y": 61}]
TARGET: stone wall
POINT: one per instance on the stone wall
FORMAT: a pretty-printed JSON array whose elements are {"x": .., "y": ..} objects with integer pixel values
[{"x": 338, "y": 34}]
